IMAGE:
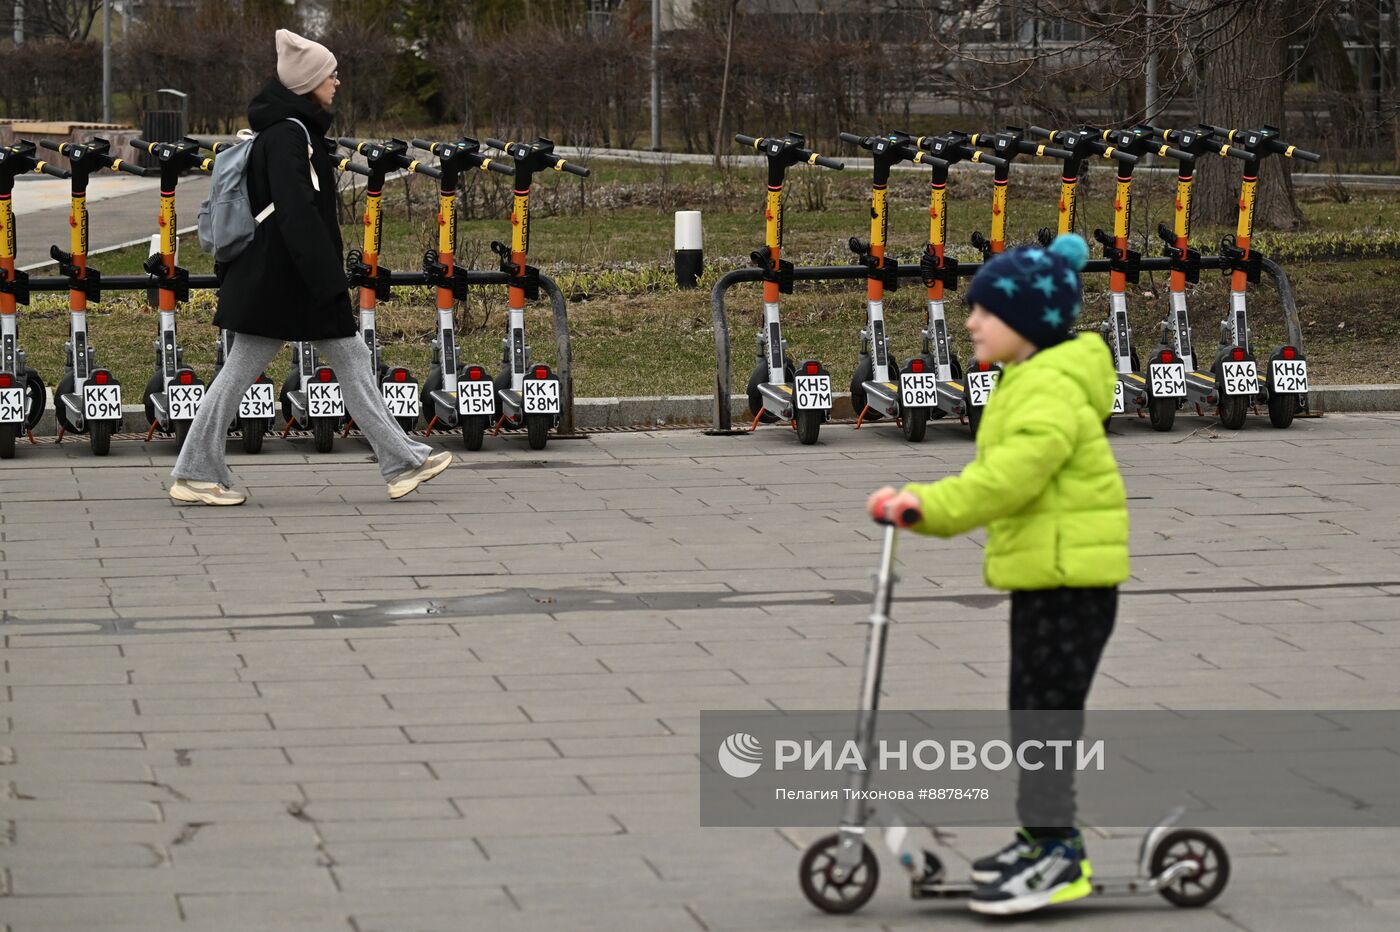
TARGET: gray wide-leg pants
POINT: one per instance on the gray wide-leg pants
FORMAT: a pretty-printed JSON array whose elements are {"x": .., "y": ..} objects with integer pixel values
[{"x": 202, "y": 457}]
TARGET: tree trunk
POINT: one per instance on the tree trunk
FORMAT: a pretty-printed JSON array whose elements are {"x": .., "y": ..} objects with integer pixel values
[
  {"x": 724, "y": 85},
  {"x": 1241, "y": 86}
]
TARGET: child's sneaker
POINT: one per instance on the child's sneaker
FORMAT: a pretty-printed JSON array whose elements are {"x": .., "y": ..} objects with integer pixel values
[
  {"x": 990, "y": 868},
  {"x": 1056, "y": 870}
]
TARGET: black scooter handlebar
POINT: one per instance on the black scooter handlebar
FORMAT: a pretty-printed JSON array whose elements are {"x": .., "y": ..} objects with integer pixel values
[
  {"x": 54, "y": 170},
  {"x": 51, "y": 145},
  {"x": 855, "y": 140},
  {"x": 418, "y": 168},
  {"x": 560, "y": 165},
  {"x": 743, "y": 140},
  {"x": 121, "y": 165},
  {"x": 346, "y": 165}
]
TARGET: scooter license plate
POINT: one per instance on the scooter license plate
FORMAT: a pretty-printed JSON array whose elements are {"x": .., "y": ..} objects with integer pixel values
[
  {"x": 401, "y": 398},
  {"x": 11, "y": 405},
  {"x": 184, "y": 401},
  {"x": 980, "y": 386},
  {"x": 1289, "y": 376},
  {"x": 1168, "y": 380},
  {"x": 476, "y": 397},
  {"x": 813, "y": 392},
  {"x": 541, "y": 396},
  {"x": 323, "y": 400},
  {"x": 257, "y": 403},
  {"x": 1119, "y": 406},
  {"x": 918, "y": 389},
  {"x": 102, "y": 402},
  {"x": 1241, "y": 378}
]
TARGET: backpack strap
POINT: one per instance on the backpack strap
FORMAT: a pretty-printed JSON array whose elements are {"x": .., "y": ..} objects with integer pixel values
[{"x": 315, "y": 182}]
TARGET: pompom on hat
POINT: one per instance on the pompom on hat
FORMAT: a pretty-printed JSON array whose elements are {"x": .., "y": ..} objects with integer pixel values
[
  {"x": 301, "y": 63},
  {"x": 1035, "y": 291}
]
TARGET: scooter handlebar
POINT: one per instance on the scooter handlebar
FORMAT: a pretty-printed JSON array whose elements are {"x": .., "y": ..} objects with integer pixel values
[
  {"x": 1040, "y": 132},
  {"x": 346, "y": 165},
  {"x": 743, "y": 140},
  {"x": 421, "y": 144},
  {"x": 1305, "y": 155},
  {"x": 1113, "y": 152},
  {"x": 825, "y": 162},
  {"x": 121, "y": 165},
  {"x": 141, "y": 144},
  {"x": 1181, "y": 155},
  {"x": 418, "y": 168},
  {"x": 1237, "y": 152},
  {"x": 853, "y": 139},
  {"x": 54, "y": 170},
  {"x": 352, "y": 144},
  {"x": 983, "y": 158},
  {"x": 571, "y": 168},
  {"x": 492, "y": 165},
  {"x": 51, "y": 145}
]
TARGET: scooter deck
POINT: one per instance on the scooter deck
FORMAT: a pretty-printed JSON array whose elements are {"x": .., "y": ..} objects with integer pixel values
[
  {"x": 444, "y": 407},
  {"x": 777, "y": 399},
  {"x": 1109, "y": 886}
]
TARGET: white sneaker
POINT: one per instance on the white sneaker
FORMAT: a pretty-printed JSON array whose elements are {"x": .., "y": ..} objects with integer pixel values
[
  {"x": 408, "y": 481},
  {"x": 190, "y": 492}
]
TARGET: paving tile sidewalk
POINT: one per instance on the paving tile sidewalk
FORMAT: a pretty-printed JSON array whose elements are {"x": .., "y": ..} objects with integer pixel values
[{"x": 477, "y": 708}]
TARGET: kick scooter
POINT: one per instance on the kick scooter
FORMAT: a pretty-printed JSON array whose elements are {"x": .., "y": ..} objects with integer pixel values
[
  {"x": 310, "y": 395},
  {"x": 968, "y": 397},
  {"x": 528, "y": 391},
  {"x": 396, "y": 384},
  {"x": 1006, "y": 145},
  {"x": 88, "y": 397},
  {"x": 1202, "y": 387},
  {"x": 776, "y": 389},
  {"x": 173, "y": 394},
  {"x": 1285, "y": 385},
  {"x": 1125, "y": 263},
  {"x": 22, "y": 398},
  {"x": 453, "y": 397},
  {"x": 874, "y": 393},
  {"x": 839, "y": 872}
]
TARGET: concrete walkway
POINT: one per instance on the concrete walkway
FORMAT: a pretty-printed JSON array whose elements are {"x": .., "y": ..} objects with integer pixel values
[{"x": 477, "y": 708}]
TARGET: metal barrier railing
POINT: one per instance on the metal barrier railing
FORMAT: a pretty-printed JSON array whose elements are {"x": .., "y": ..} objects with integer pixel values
[
  {"x": 563, "y": 365},
  {"x": 723, "y": 422}
]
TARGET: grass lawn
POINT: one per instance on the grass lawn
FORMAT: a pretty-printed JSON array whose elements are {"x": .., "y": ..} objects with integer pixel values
[{"x": 608, "y": 244}]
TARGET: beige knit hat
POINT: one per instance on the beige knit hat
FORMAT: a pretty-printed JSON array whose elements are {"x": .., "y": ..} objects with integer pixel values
[{"x": 301, "y": 63}]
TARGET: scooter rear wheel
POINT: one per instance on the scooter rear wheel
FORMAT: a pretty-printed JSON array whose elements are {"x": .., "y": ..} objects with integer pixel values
[
  {"x": 828, "y": 894},
  {"x": 1162, "y": 413},
  {"x": 809, "y": 425},
  {"x": 864, "y": 370},
  {"x": 1232, "y": 411},
  {"x": 182, "y": 431},
  {"x": 153, "y": 385},
  {"x": 99, "y": 436},
  {"x": 60, "y": 412},
  {"x": 8, "y": 432},
  {"x": 474, "y": 430},
  {"x": 323, "y": 432},
  {"x": 1282, "y": 409},
  {"x": 537, "y": 430},
  {"x": 974, "y": 418},
  {"x": 34, "y": 388},
  {"x": 253, "y": 430},
  {"x": 915, "y": 421},
  {"x": 1213, "y": 866}
]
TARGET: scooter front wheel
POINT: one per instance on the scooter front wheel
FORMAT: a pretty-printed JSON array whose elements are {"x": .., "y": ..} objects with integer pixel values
[
  {"x": 99, "y": 436},
  {"x": 824, "y": 891},
  {"x": 474, "y": 430},
  {"x": 1212, "y": 866},
  {"x": 537, "y": 429}
]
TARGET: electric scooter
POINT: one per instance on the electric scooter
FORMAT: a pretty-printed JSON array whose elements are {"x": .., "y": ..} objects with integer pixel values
[
  {"x": 22, "y": 397},
  {"x": 1006, "y": 145},
  {"x": 874, "y": 393},
  {"x": 454, "y": 396},
  {"x": 310, "y": 395},
  {"x": 1125, "y": 263},
  {"x": 88, "y": 398},
  {"x": 528, "y": 391},
  {"x": 1284, "y": 387},
  {"x": 968, "y": 396},
  {"x": 173, "y": 394},
  {"x": 839, "y": 872},
  {"x": 1175, "y": 337},
  {"x": 396, "y": 384},
  {"x": 777, "y": 389}
]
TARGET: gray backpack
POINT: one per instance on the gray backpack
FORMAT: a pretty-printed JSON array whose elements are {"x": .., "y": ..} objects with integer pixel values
[{"x": 226, "y": 220}]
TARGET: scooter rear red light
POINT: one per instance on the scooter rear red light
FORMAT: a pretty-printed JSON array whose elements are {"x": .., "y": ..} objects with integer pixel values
[
  {"x": 1167, "y": 356},
  {"x": 542, "y": 372},
  {"x": 101, "y": 377},
  {"x": 475, "y": 373},
  {"x": 812, "y": 368},
  {"x": 1237, "y": 354},
  {"x": 1290, "y": 353},
  {"x": 399, "y": 375},
  {"x": 185, "y": 377},
  {"x": 6, "y": 380},
  {"x": 984, "y": 367},
  {"x": 916, "y": 365},
  {"x": 325, "y": 374}
]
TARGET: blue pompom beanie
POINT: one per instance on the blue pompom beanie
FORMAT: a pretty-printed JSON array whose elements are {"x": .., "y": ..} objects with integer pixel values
[{"x": 1034, "y": 290}]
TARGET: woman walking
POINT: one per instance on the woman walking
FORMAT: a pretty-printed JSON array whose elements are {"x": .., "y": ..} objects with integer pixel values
[{"x": 290, "y": 284}]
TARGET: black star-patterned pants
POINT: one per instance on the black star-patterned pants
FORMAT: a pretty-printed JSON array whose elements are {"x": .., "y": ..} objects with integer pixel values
[{"x": 1057, "y": 638}]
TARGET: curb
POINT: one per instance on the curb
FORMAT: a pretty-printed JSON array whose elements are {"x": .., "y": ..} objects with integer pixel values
[{"x": 663, "y": 410}]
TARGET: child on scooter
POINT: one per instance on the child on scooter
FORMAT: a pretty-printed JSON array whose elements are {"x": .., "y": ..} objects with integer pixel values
[{"x": 1045, "y": 485}]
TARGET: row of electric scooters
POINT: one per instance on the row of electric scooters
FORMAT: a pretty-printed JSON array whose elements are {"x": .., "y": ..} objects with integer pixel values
[
  {"x": 522, "y": 395},
  {"x": 933, "y": 384}
]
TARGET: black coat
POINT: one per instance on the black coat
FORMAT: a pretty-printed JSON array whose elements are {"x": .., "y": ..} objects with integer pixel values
[{"x": 290, "y": 283}]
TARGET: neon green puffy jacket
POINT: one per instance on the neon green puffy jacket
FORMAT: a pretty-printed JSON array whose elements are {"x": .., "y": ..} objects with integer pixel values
[{"x": 1044, "y": 481}]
